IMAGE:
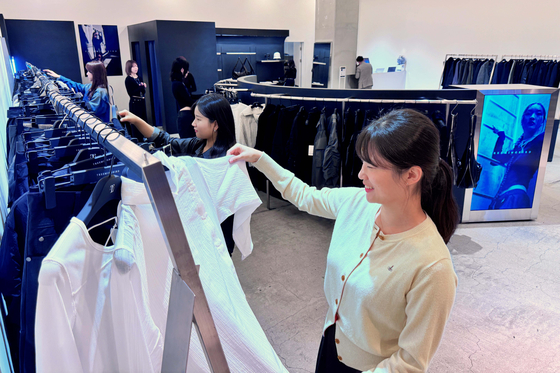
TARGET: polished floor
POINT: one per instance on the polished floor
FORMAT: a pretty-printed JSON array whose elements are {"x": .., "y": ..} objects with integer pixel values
[{"x": 506, "y": 316}]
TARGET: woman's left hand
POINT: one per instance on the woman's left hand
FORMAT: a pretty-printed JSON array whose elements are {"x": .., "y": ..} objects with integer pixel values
[{"x": 244, "y": 153}]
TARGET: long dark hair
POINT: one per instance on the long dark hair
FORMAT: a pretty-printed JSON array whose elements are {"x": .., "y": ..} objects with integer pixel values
[
  {"x": 99, "y": 76},
  {"x": 407, "y": 138},
  {"x": 178, "y": 64},
  {"x": 216, "y": 108}
]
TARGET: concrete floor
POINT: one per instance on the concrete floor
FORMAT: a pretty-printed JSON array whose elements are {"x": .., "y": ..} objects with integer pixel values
[{"x": 506, "y": 316}]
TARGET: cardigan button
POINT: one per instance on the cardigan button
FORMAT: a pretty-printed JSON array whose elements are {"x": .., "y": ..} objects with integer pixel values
[
  {"x": 337, "y": 341},
  {"x": 362, "y": 254},
  {"x": 343, "y": 277},
  {"x": 340, "y": 358},
  {"x": 336, "y": 301}
]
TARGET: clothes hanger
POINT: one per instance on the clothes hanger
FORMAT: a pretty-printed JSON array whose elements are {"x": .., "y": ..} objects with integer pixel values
[{"x": 106, "y": 192}]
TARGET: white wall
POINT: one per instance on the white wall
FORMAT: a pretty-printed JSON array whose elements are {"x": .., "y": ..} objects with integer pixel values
[
  {"x": 297, "y": 16},
  {"x": 425, "y": 31}
]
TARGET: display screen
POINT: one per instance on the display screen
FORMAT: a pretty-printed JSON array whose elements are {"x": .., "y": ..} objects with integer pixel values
[{"x": 509, "y": 149}]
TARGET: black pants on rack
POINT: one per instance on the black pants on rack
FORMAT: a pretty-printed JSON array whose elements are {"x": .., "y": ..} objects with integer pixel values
[{"x": 327, "y": 360}]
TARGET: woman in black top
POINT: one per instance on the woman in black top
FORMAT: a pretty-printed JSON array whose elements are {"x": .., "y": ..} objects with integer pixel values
[
  {"x": 179, "y": 73},
  {"x": 136, "y": 89},
  {"x": 214, "y": 128},
  {"x": 290, "y": 73}
]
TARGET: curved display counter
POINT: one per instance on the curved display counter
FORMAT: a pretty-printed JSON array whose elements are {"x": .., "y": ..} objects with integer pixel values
[{"x": 511, "y": 167}]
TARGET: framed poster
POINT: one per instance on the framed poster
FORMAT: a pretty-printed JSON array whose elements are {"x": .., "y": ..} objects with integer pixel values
[{"x": 101, "y": 43}]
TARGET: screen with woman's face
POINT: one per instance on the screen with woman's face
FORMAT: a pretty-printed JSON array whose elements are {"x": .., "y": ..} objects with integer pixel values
[{"x": 509, "y": 150}]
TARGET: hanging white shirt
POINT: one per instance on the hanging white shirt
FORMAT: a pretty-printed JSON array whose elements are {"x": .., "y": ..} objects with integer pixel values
[
  {"x": 206, "y": 192},
  {"x": 91, "y": 315}
]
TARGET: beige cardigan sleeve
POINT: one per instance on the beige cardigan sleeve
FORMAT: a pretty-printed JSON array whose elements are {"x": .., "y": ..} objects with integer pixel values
[{"x": 325, "y": 202}]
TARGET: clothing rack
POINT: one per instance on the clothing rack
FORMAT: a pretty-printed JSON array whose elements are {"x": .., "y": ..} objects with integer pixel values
[
  {"x": 282, "y": 96},
  {"x": 494, "y": 56},
  {"x": 477, "y": 56},
  {"x": 142, "y": 163},
  {"x": 367, "y": 100},
  {"x": 530, "y": 56}
]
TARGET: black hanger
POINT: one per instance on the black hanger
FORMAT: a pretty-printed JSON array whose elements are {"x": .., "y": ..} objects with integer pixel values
[
  {"x": 106, "y": 192},
  {"x": 105, "y": 195}
]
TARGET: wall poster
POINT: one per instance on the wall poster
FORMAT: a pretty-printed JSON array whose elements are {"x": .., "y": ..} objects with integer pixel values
[{"x": 101, "y": 43}]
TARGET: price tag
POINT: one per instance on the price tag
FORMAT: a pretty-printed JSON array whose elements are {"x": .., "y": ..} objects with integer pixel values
[{"x": 310, "y": 152}]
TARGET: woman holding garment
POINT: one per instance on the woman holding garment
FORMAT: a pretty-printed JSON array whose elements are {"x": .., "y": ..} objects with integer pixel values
[
  {"x": 213, "y": 125},
  {"x": 389, "y": 283},
  {"x": 96, "y": 95}
]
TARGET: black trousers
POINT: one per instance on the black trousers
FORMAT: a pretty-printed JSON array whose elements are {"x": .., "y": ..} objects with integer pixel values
[
  {"x": 327, "y": 360},
  {"x": 137, "y": 106}
]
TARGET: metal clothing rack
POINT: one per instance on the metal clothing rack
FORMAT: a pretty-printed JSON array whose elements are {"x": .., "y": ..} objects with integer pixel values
[
  {"x": 485, "y": 56},
  {"x": 142, "y": 163},
  {"x": 530, "y": 56},
  {"x": 494, "y": 56},
  {"x": 282, "y": 96}
]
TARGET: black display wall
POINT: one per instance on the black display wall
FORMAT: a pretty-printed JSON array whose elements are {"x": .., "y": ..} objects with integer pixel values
[
  {"x": 155, "y": 45},
  {"x": 258, "y": 46},
  {"x": 45, "y": 44}
]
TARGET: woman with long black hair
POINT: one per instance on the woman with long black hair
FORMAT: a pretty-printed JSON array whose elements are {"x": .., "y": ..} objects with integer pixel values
[
  {"x": 96, "y": 94},
  {"x": 389, "y": 283},
  {"x": 214, "y": 128},
  {"x": 179, "y": 74}
]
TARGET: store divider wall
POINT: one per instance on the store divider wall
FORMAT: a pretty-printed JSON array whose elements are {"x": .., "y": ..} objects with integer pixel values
[
  {"x": 196, "y": 41},
  {"x": 50, "y": 44}
]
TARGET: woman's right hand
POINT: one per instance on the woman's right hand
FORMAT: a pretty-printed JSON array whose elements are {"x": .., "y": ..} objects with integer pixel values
[
  {"x": 244, "y": 153},
  {"x": 51, "y": 73}
]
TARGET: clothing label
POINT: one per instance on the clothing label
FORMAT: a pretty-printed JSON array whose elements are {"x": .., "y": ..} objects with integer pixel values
[{"x": 310, "y": 152}]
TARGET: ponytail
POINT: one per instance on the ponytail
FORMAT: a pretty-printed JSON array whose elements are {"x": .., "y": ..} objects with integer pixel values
[{"x": 438, "y": 201}]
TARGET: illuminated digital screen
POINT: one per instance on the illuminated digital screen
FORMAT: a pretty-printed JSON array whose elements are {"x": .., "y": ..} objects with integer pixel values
[{"x": 509, "y": 150}]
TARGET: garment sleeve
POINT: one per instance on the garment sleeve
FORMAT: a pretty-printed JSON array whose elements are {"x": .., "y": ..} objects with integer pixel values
[
  {"x": 132, "y": 88},
  {"x": 231, "y": 191},
  {"x": 141, "y": 88},
  {"x": 78, "y": 87},
  {"x": 13, "y": 245},
  {"x": 99, "y": 102},
  {"x": 358, "y": 72},
  {"x": 325, "y": 202},
  {"x": 182, "y": 95},
  {"x": 190, "y": 83},
  {"x": 429, "y": 304},
  {"x": 55, "y": 346},
  {"x": 178, "y": 146}
]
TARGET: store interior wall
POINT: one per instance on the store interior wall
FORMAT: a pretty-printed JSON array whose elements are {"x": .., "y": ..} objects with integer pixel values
[
  {"x": 345, "y": 40},
  {"x": 424, "y": 32},
  {"x": 325, "y": 14},
  {"x": 297, "y": 16}
]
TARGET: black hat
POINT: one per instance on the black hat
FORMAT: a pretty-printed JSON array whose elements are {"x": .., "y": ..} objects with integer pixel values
[{"x": 359, "y": 59}]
